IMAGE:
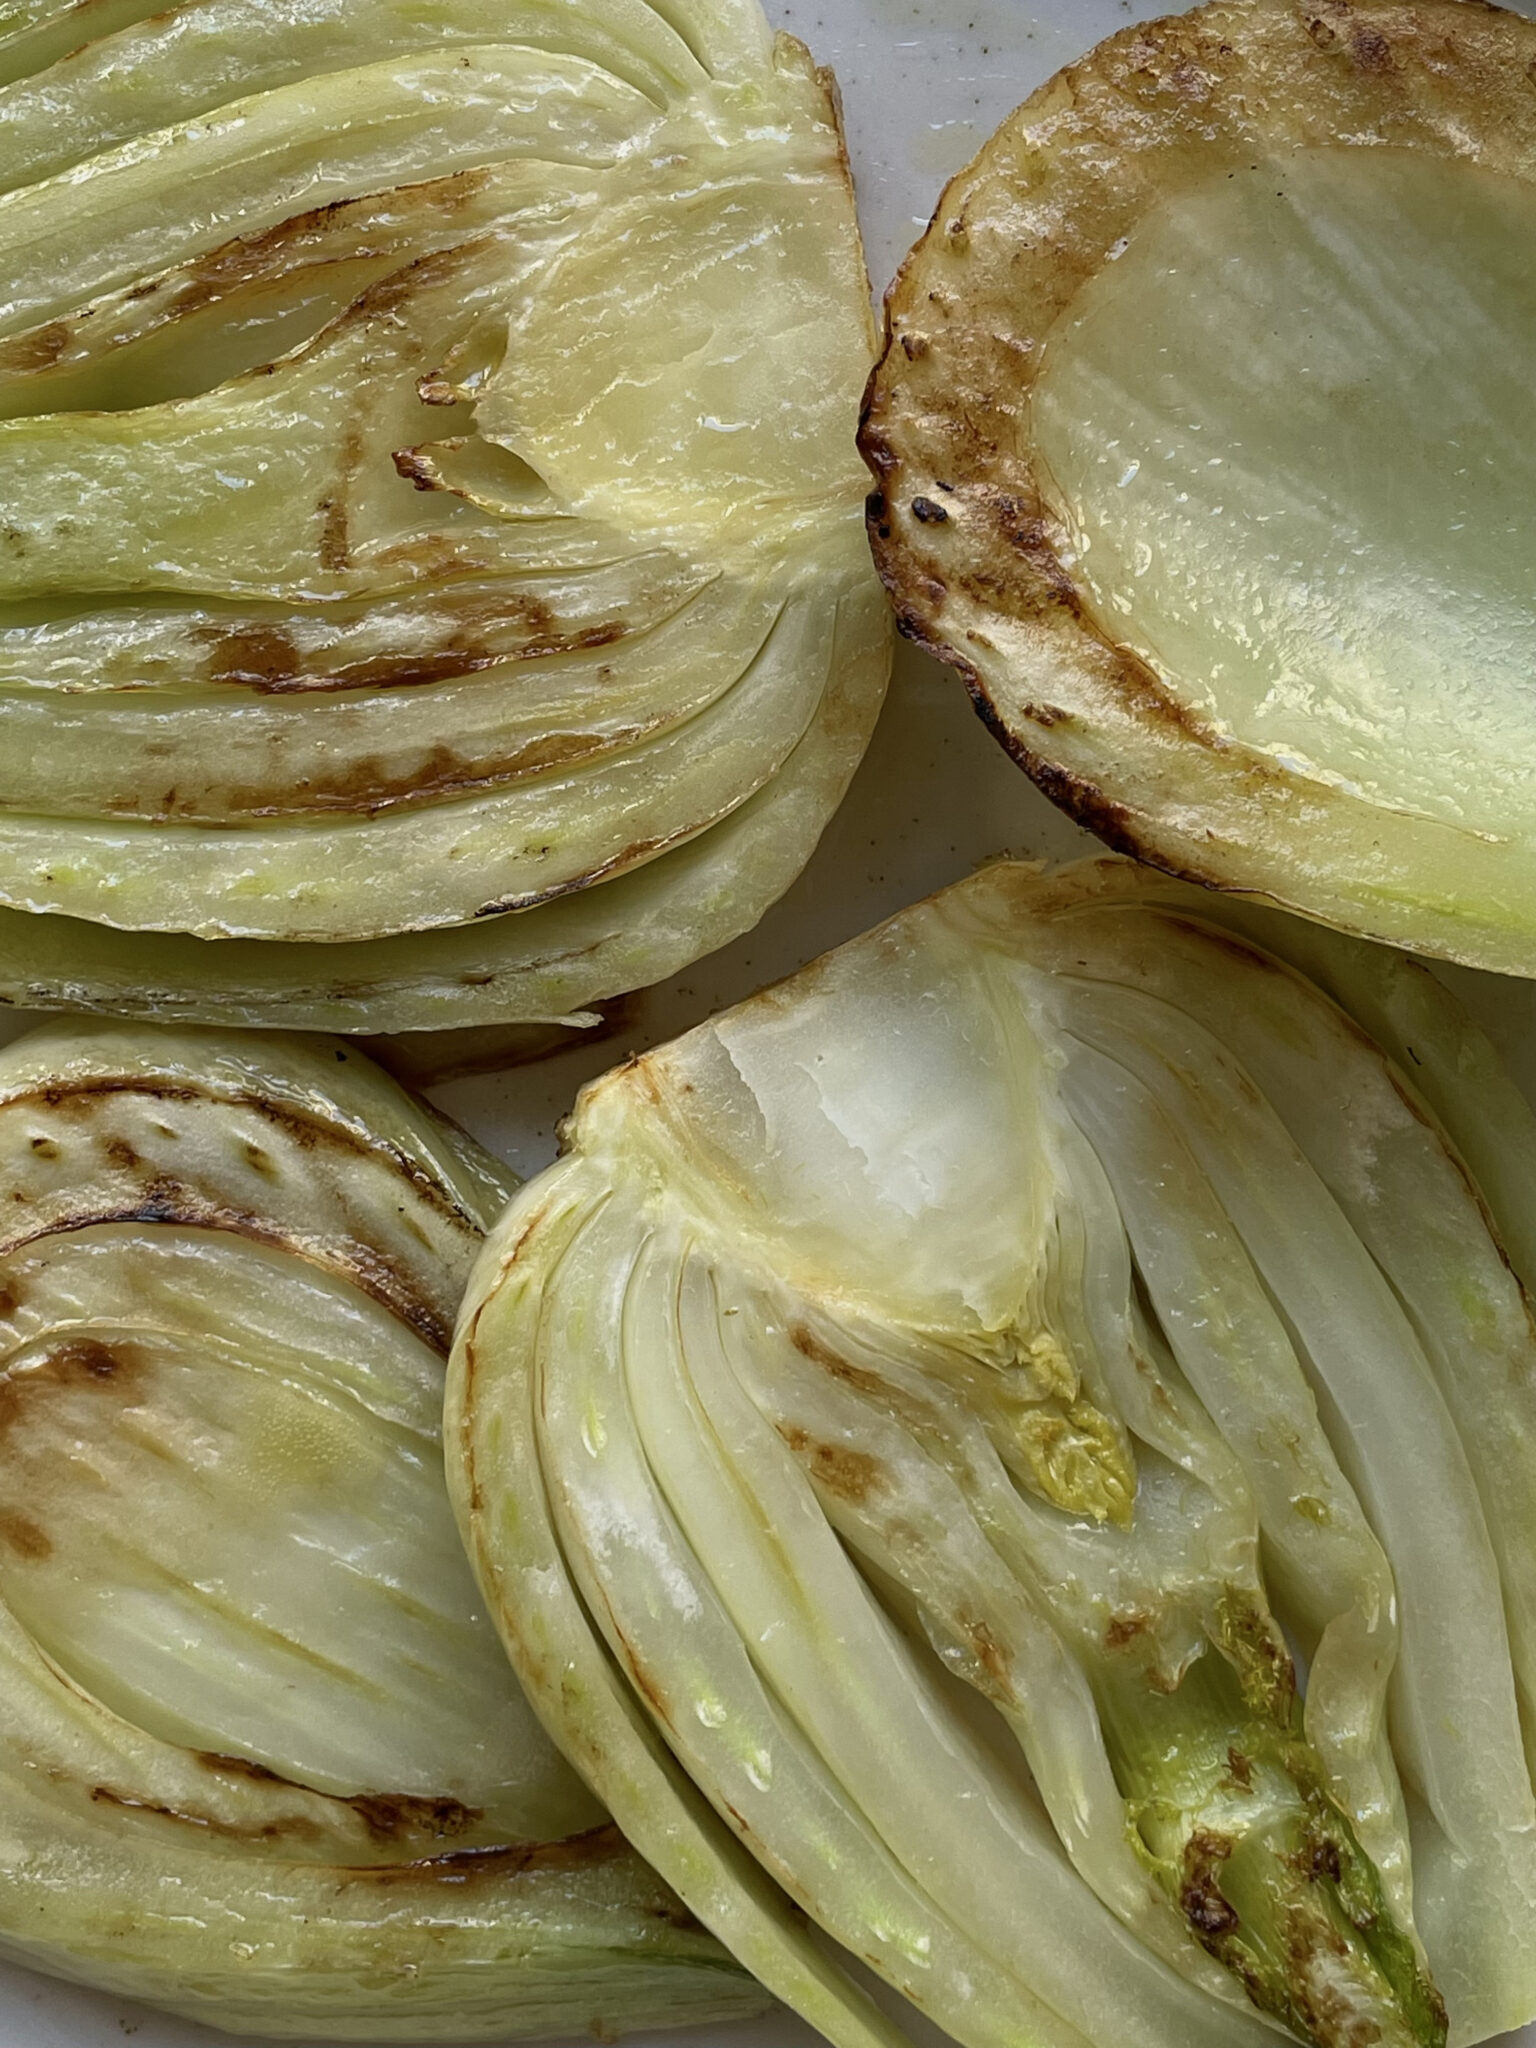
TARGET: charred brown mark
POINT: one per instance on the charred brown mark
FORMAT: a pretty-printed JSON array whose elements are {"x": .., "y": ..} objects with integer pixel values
[
  {"x": 638, "y": 851},
  {"x": 83, "y": 1360},
  {"x": 929, "y": 513},
  {"x": 246, "y": 258},
  {"x": 990, "y": 1655},
  {"x": 516, "y": 626},
  {"x": 335, "y": 550},
  {"x": 238, "y": 1767},
  {"x": 79, "y": 1362},
  {"x": 390, "y": 1815},
  {"x": 1240, "y": 1769},
  {"x": 169, "y": 1201},
  {"x": 309, "y": 1131},
  {"x": 498, "y": 1866},
  {"x": 1371, "y": 50},
  {"x": 1200, "y": 1895},
  {"x": 26, "y": 354},
  {"x": 851, "y": 1475},
  {"x": 371, "y": 787},
  {"x": 810, "y": 1346},
  {"x": 1319, "y": 1859},
  {"x": 648, "y": 1687},
  {"x": 24, "y": 1538},
  {"x": 10, "y": 1299},
  {"x": 412, "y": 465},
  {"x": 1124, "y": 1629},
  {"x": 121, "y": 1154},
  {"x": 290, "y": 1827}
]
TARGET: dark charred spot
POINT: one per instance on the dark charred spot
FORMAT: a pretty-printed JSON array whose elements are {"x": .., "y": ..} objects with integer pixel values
[
  {"x": 1046, "y": 715},
  {"x": 1088, "y": 805},
  {"x": 237, "y": 1767},
  {"x": 930, "y": 514},
  {"x": 1318, "y": 1859},
  {"x": 420, "y": 474},
  {"x": 1322, "y": 32},
  {"x": 24, "y": 1537},
  {"x": 121, "y": 1153},
  {"x": 83, "y": 1360},
  {"x": 876, "y": 516},
  {"x": 259, "y": 1161},
  {"x": 1371, "y": 50},
  {"x": 1125, "y": 1628},
  {"x": 1240, "y": 1769},
  {"x": 10, "y": 1299},
  {"x": 79, "y": 1096},
  {"x": 39, "y": 350},
  {"x": 256, "y": 657},
  {"x": 851, "y": 1475},
  {"x": 1200, "y": 1895},
  {"x": 388, "y": 1815},
  {"x": 495, "y": 1867}
]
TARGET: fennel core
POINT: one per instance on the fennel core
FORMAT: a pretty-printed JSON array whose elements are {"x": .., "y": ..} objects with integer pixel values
[{"x": 1228, "y": 1809}]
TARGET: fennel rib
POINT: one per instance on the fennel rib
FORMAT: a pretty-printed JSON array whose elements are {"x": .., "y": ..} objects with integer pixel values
[{"x": 978, "y": 1300}]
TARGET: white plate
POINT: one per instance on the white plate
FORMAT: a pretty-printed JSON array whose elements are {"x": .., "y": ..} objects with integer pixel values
[{"x": 924, "y": 83}]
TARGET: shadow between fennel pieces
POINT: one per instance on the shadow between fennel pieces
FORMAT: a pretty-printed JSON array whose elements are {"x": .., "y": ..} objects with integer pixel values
[
  {"x": 1220, "y": 611},
  {"x": 626, "y": 577}
]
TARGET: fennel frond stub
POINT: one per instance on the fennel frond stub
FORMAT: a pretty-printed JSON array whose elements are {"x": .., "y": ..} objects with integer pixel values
[
  {"x": 1203, "y": 441},
  {"x": 263, "y": 1762},
  {"x": 954, "y": 1381}
]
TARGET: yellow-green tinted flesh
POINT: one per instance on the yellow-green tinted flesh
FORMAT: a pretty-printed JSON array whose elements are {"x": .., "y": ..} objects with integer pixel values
[{"x": 1292, "y": 430}]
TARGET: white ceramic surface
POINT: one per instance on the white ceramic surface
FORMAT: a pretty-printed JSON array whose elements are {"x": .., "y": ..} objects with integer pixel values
[{"x": 924, "y": 82}]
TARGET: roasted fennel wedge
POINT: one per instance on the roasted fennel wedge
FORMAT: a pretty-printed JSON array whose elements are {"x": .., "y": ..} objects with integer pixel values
[
  {"x": 263, "y": 1761},
  {"x": 1204, "y": 435},
  {"x": 461, "y": 492},
  {"x": 1029, "y": 1430}
]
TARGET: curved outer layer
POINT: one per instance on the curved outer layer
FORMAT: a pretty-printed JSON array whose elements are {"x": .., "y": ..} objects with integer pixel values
[
  {"x": 262, "y": 1761},
  {"x": 1340, "y": 726},
  {"x": 975, "y": 1351},
  {"x": 489, "y": 525}
]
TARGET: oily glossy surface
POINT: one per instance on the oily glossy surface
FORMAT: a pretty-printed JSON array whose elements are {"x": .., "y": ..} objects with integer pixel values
[
  {"x": 923, "y": 83},
  {"x": 1232, "y": 413},
  {"x": 1387, "y": 290}
]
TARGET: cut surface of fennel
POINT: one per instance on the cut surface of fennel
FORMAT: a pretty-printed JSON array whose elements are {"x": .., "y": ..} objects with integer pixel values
[
  {"x": 263, "y": 1763},
  {"x": 956, "y": 1382}
]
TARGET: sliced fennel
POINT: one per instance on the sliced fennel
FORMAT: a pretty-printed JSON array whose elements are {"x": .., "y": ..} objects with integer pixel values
[
  {"x": 953, "y": 1388},
  {"x": 461, "y": 493},
  {"x": 1204, "y": 439},
  {"x": 264, "y": 1763}
]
